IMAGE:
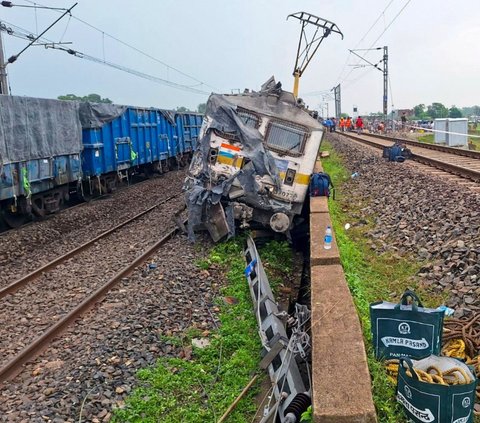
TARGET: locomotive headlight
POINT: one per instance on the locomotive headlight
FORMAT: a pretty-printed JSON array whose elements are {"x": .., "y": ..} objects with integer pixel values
[
  {"x": 289, "y": 177},
  {"x": 279, "y": 222}
]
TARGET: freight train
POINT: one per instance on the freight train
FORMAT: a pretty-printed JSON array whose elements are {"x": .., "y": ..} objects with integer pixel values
[
  {"x": 51, "y": 150},
  {"x": 253, "y": 163}
]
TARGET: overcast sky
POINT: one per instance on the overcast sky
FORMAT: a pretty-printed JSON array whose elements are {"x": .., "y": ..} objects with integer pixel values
[{"x": 233, "y": 44}]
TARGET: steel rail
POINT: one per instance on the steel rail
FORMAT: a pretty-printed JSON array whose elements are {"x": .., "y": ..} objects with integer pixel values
[
  {"x": 464, "y": 172},
  {"x": 442, "y": 148},
  {"x": 13, "y": 366},
  {"x": 19, "y": 283}
]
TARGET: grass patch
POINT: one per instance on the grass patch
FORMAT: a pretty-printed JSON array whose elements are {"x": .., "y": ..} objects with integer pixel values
[
  {"x": 427, "y": 138},
  {"x": 475, "y": 142},
  {"x": 277, "y": 259},
  {"x": 430, "y": 139},
  {"x": 201, "y": 389},
  {"x": 371, "y": 277}
]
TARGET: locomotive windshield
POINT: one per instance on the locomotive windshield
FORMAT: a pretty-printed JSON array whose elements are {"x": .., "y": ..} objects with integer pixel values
[{"x": 286, "y": 137}]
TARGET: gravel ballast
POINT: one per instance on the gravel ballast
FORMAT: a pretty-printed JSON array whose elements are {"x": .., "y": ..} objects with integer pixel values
[{"x": 435, "y": 220}]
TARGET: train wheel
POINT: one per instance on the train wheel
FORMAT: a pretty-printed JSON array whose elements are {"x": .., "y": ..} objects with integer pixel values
[
  {"x": 13, "y": 220},
  {"x": 147, "y": 172}
]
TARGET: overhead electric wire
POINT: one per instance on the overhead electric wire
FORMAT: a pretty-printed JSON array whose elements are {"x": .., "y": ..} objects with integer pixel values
[
  {"x": 25, "y": 34},
  {"x": 369, "y": 29},
  {"x": 391, "y": 22},
  {"x": 381, "y": 34},
  {"x": 13, "y": 58},
  {"x": 137, "y": 50},
  {"x": 66, "y": 27},
  {"x": 364, "y": 36},
  {"x": 339, "y": 78},
  {"x": 353, "y": 81},
  {"x": 316, "y": 93},
  {"x": 132, "y": 71}
]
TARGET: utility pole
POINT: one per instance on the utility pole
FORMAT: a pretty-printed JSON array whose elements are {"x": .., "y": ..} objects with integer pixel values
[
  {"x": 3, "y": 72},
  {"x": 384, "y": 71},
  {"x": 385, "y": 82},
  {"x": 338, "y": 101},
  {"x": 326, "y": 98}
]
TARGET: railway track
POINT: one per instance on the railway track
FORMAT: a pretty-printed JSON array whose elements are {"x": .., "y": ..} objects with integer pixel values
[
  {"x": 69, "y": 285},
  {"x": 462, "y": 163},
  {"x": 23, "y": 250},
  {"x": 435, "y": 147}
]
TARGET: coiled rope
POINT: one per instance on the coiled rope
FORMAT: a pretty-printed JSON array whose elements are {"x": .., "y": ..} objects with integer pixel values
[{"x": 461, "y": 340}]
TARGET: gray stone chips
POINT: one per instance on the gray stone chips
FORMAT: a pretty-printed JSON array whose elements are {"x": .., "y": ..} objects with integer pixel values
[{"x": 435, "y": 220}]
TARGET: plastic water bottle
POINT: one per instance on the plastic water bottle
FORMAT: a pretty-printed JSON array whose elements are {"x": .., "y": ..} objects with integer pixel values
[{"x": 327, "y": 244}]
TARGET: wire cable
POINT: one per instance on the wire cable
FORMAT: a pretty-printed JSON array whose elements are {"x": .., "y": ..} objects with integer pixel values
[
  {"x": 339, "y": 78},
  {"x": 25, "y": 34},
  {"x": 129, "y": 70},
  {"x": 391, "y": 22},
  {"x": 13, "y": 58},
  {"x": 364, "y": 36},
  {"x": 137, "y": 50},
  {"x": 66, "y": 27},
  {"x": 381, "y": 34}
]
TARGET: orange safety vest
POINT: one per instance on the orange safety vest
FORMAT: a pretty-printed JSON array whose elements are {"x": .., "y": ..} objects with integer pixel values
[
  {"x": 349, "y": 123},
  {"x": 342, "y": 123}
]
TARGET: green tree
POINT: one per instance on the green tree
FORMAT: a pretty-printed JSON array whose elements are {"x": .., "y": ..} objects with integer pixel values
[
  {"x": 94, "y": 98},
  {"x": 437, "y": 110},
  {"x": 454, "y": 112},
  {"x": 182, "y": 109},
  {"x": 202, "y": 108},
  {"x": 419, "y": 111},
  {"x": 70, "y": 97}
]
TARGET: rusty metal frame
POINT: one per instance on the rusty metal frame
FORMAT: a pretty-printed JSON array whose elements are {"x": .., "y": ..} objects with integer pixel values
[{"x": 282, "y": 369}]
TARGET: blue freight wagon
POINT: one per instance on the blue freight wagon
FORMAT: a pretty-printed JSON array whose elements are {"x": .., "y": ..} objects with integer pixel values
[
  {"x": 51, "y": 150},
  {"x": 189, "y": 125},
  {"x": 120, "y": 141},
  {"x": 40, "y": 145},
  {"x": 169, "y": 133}
]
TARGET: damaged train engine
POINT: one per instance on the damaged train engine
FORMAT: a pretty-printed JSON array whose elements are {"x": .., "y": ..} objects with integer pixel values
[{"x": 253, "y": 163}]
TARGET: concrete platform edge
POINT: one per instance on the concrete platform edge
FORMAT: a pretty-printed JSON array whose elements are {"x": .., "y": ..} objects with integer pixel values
[{"x": 342, "y": 391}]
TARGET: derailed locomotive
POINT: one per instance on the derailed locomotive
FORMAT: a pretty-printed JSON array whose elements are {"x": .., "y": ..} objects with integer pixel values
[{"x": 253, "y": 162}]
